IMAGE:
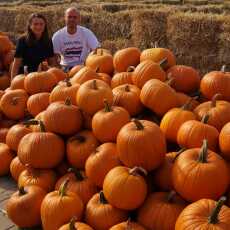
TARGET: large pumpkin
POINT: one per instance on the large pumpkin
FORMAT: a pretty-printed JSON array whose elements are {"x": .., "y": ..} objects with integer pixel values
[
  {"x": 200, "y": 173},
  {"x": 58, "y": 207},
  {"x": 125, "y": 188},
  {"x": 126, "y": 57},
  {"x": 147, "y": 70},
  {"x": 98, "y": 208},
  {"x": 106, "y": 123},
  {"x": 79, "y": 147},
  {"x": 100, "y": 162},
  {"x": 23, "y": 207},
  {"x": 141, "y": 143},
  {"x": 204, "y": 214},
  {"x": 48, "y": 151},
  {"x": 158, "y": 96},
  {"x": 91, "y": 95}
]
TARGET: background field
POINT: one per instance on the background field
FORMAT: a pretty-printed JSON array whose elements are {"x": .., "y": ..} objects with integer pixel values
[{"x": 198, "y": 32}]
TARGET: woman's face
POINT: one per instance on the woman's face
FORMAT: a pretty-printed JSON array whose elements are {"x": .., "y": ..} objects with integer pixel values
[{"x": 37, "y": 26}]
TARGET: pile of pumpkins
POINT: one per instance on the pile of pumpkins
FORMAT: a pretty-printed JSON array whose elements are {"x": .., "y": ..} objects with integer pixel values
[{"x": 129, "y": 141}]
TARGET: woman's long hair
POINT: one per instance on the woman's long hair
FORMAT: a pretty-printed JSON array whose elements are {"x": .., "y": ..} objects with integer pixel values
[{"x": 29, "y": 35}]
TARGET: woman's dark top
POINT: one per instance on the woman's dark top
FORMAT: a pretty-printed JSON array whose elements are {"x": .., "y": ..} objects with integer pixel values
[{"x": 33, "y": 55}]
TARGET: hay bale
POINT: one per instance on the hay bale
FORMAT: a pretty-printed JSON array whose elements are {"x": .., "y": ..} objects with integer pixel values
[
  {"x": 192, "y": 34},
  {"x": 7, "y": 20},
  {"x": 149, "y": 26}
]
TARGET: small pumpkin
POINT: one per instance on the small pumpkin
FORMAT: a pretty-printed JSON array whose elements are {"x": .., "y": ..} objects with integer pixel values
[
  {"x": 74, "y": 70},
  {"x": 18, "y": 82},
  {"x": 125, "y": 188},
  {"x": 127, "y": 225},
  {"x": 126, "y": 57},
  {"x": 16, "y": 167},
  {"x": 6, "y": 156},
  {"x": 100, "y": 162},
  {"x": 73, "y": 225},
  {"x": 128, "y": 97},
  {"x": 23, "y": 207},
  {"x": 106, "y": 123},
  {"x": 5, "y": 44},
  {"x": 58, "y": 73},
  {"x": 98, "y": 208},
  {"x": 224, "y": 141},
  {"x": 79, "y": 147}
]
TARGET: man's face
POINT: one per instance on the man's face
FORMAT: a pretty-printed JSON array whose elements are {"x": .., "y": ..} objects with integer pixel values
[{"x": 72, "y": 18}]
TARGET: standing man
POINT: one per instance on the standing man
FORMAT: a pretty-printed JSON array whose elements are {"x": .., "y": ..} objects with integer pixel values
[{"x": 73, "y": 42}]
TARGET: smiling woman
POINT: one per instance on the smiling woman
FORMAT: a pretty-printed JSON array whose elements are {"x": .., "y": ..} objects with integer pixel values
[{"x": 33, "y": 47}]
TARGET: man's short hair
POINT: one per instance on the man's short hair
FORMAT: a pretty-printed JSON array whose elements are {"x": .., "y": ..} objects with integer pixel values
[{"x": 72, "y": 8}]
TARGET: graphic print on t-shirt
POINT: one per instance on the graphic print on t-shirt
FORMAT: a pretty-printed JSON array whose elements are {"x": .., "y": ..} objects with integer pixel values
[{"x": 73, "y": 49}]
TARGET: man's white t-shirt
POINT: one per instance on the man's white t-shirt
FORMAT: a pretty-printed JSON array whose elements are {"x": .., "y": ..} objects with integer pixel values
[{"x": 74, "y": 48}]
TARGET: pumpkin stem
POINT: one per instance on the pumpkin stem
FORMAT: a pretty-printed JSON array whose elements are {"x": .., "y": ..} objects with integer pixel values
[
  {"x": 102, "y": 198},
  {"x": 72, "y": 223},
  {"x": 77, "y": 173},
  {"x": 21, "y": 191},
  {"x": 68, "y": 101},
  {"x": 97, "y": 69},
  {"x": 170, "y": 80},
  {"x": 79, "y": 138},
  {"x": 107, "y": 106},
  {"x": 214, "y": 99},
  {"x": 178, "y": 153},
  {"x": 30, "y": 122},
  {"x": 127, "y": 89},
  {"x": 170, "y": 196},
  {"x": 213, "y": 218},
  {"x": 62, "y": 190},
  {"x": 15, "y": 100},
  {"x": 205, "y": 118},
  {"x": 163, "y": 63},
  {"x": 67, "y": 81},
  {"x": 138, "y": 124},
  {"x": 94, "y": 84},
  {"x": 138, "y": 171},
  {"x": 187, "y": 105},
  {"x": 203, "y": 152},
  {"x": 128, "y": 224},
  {"x": 223, "y": 68},
  {"x": 156, "y": 44},
  {"x": 130, "y": 69},
  {"x": 42, "y": 126}
]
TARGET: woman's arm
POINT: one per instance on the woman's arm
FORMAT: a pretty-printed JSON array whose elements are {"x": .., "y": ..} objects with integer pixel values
[
  {"x": 15, "y": 67},
  {"x": 53, "y": 61}
]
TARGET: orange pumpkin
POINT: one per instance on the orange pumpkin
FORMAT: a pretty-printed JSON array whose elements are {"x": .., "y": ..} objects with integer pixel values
[
  {"x": 183, "y": 98},
  {"x": 58, "y": 207},
  {"x": 74, "y": 70},
  {"x": 141, "y": 143},
  {"x": 3, "y": 134},
  {"x": 122, "y": 78},
  {"x": 16, "y": 167},
  {"x": 125, "y": 188},
  {"x": 224, "y": 141},
  {"x": 6, "y": 156},
  {"x": 79, "y": 147},
  {"x": 23, "y": 207},
  {"x": 58, "y": 73},
  {"x": 73, "y": 225},
  {"x": 127, "y": 225},
  {"x": 126, "y": 57},
  {"x": 145, "y": 71},
  {"x": 128, "y": 97},
  {"x": 98, "y": 208},
  {"x": 193, "y": 170},
  {"x": 38, "y": 103},
  {"x": 13, "y": 103},
  {"x": 100, "y": 162},
  {"x": 106, "y": 123},
  {"x": 18, "y": 82},
  {"x": 91, "y": 95},
  {"x": 5, "y": 44}
]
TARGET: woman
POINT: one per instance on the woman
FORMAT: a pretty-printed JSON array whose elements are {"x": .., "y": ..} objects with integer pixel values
[{"x": 34, "y": 47}]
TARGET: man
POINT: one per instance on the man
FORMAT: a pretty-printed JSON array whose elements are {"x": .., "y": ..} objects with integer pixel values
[{"x": 73, "y": 42}]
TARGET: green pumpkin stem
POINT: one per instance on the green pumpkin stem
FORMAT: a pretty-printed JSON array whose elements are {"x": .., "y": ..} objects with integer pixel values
[
  {"x": 42, "y": 126},
  {"x": 21, "y": 191},
  {"x": 170, "y": 196},
  {"x": 77, "y": 173},
  {"x": 94, "y": 84},
  {"x": 214, "y": 99},
  {"x": 205, "y": 118},
  {"x": 138, "y": 124},
  {"x": 203, "y": 152},
  {"x": 102, "y": 198},
  {"x": 213, "y": 218},
  {"x": 107, "y": 106},
  {"x": 30, "y": 122},
  {"x": 72, "y": 224},
  {"x": 138, "y": 171},
  {"x": 127, "y": 89},
  {"x": 62, "y": 190}
]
